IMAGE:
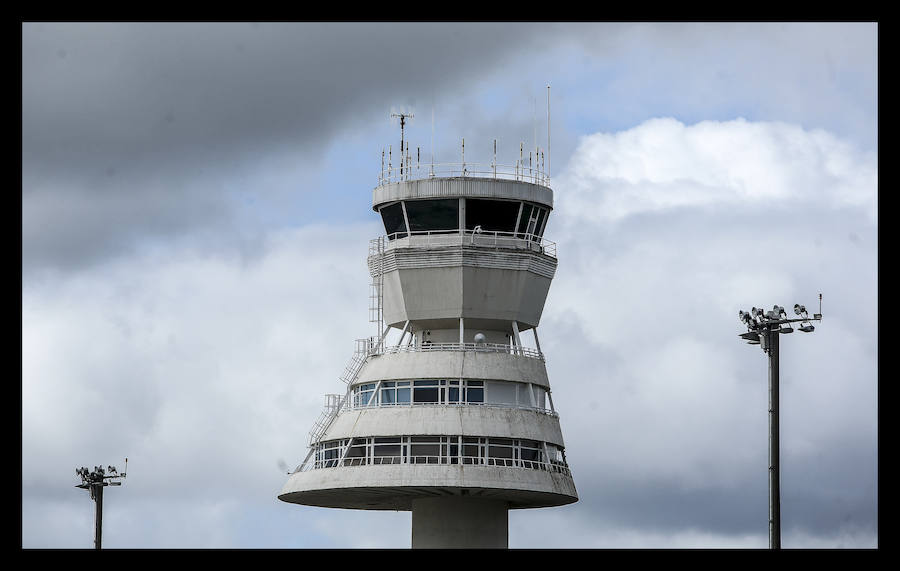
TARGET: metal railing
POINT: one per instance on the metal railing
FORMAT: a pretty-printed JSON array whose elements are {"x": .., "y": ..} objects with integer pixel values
[
  {"x": 521, "y": 171},
  {"x": 490, "y": 238},
  {"x": 547, "y": 411},
  {"x": 476, "y": 347},
  {"x": 434, "y": 460}
]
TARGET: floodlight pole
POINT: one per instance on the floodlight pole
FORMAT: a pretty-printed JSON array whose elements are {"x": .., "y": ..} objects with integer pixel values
[
  {"x": 765, "y": 329},
  {"x": 94, "y": 482},
  {"x": 97, "y": 495},
  {"x": 774, "y": 440}
]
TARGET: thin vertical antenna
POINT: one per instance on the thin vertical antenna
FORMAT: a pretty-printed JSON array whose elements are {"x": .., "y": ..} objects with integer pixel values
[
  {"x": 534, "y": 123},
  {"x": 418, "y": 158},
  {"x": 390, "y": 159},
  {"x": 494, "y": 163},
  {"x": 464, "y": 156},
  {"x": 548, "y": 131},
  {"x": 432, "y": 140}
]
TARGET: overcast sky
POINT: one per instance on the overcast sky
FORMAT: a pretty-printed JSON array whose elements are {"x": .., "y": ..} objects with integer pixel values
[{"x": 196, "y": 210}]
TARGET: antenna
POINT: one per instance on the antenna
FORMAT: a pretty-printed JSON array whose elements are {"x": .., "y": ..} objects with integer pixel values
[
  {"x": 432, "y": 140},
  {"x": 494, "y": 162},
  {"x": 534, "y": 123},
  {"x": 464, "y": 156},
  {"x": 403, "y": 117},
  {"x": 548, "y": 132}
]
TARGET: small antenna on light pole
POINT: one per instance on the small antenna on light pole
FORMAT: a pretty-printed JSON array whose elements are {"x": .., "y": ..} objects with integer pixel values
[{"x": 95, "y": 481}]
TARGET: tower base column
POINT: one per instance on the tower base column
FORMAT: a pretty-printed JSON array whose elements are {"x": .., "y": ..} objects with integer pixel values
[{"x": 456, "y": 522}]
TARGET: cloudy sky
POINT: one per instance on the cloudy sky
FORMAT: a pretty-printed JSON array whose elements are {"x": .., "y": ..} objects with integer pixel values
[{"x": 196, "y": 210}]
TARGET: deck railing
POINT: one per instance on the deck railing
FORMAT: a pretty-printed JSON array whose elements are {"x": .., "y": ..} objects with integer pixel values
[
  {"x": 521, "y": 171},
  {"x": 434, "y": 460},
  {"x": 487, "y": 238}
]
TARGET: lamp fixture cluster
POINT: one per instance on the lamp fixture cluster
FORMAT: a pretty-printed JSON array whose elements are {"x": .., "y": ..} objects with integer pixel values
[
  {"x": 98, "y": 476},
  {"x": 776, "y": 320}
]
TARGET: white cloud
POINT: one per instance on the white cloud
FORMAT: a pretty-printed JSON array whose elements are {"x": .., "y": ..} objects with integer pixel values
[{"x": 663, "y": 164}]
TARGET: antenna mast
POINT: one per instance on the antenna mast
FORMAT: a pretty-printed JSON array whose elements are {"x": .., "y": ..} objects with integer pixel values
[
  {"x": 548, "y": 133},
  {"x": 403, "y": 117}
]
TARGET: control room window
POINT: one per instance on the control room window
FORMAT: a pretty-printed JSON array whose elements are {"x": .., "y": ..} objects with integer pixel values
[
  {"x": 394, "y": 225},
  {"x": 434, "y": 215},
  {"x": 531, "y": 220},
  {"x": 491, "y": 215}
]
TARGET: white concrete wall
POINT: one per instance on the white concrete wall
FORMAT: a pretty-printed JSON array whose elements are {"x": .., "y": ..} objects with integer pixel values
[
  {"x": 459, "y": 522},
  {"x": 465, "y": 420},
  {"x": 435, "y": 291},
  {"x": 453, "y": 365}
]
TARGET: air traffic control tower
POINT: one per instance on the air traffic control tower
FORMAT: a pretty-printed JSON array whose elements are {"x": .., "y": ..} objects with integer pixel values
[{"x": 452, "y": 420}]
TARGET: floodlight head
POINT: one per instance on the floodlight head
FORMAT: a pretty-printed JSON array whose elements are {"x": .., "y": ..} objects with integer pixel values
[
  {"x": 754, "y": 312},
  {"x": 750, "y": 336},
  {"x": 807, "y": 328},
  {"x": 785, "y": 329}
]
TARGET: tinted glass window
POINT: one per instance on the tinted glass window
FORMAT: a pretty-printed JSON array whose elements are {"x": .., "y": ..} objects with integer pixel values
[
  {"x": 491, "y": 215},
  {"x": 393, "y": 220},
  {"x": 441, "y": 214},
  {"x": 540, "y": 222},
  {"x": 523, "y": 219}
]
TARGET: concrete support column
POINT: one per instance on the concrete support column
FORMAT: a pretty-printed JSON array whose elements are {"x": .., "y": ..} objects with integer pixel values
[{"x": 459, "y": 522}]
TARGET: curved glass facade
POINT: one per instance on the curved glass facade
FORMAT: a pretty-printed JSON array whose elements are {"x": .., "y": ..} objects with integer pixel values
[
  {"x": 473, "y": 214},
  {"x": 451, "y": 392},
  {"x": 442, "y": 450}
]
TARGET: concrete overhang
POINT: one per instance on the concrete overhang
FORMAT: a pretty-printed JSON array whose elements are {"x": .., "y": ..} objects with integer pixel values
[
  {"x": 393, "y": 487},
  {"x": 462, "y": 187}
]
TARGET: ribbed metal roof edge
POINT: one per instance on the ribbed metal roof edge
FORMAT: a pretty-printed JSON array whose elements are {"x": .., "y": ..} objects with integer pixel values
[{"x": 465, "y": 187}]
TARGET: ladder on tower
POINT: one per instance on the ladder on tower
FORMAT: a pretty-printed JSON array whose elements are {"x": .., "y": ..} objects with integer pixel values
[
  {"x": 335, "y": 402},
  {"x": 376, "y": 287},
  {"x": 364, "y": 347}
]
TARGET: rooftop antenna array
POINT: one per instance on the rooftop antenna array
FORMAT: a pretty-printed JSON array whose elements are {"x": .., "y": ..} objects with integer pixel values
[{"x": 95, "y": 481}]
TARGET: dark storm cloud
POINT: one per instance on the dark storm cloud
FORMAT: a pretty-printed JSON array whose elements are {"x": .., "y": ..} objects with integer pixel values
[
  {"x": 133, "y": 130},
  {"x": 170, "y": 89}
]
